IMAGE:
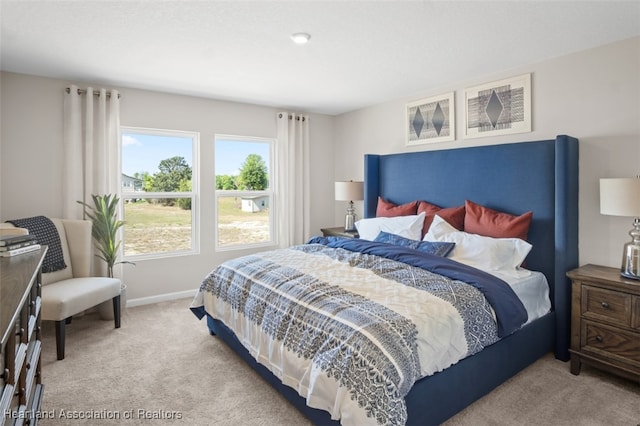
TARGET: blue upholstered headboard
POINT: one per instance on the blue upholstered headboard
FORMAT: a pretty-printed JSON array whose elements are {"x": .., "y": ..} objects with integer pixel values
[{"x": 539, "y": 176}]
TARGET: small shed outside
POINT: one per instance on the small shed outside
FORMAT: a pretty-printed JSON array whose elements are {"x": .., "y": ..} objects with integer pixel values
[{"x": 254, "y": 204}]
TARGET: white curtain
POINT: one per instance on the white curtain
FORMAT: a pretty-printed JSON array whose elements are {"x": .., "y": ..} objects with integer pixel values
[
  {"x": 292, "y": 171},
  {"x": 91, "y": 147}
]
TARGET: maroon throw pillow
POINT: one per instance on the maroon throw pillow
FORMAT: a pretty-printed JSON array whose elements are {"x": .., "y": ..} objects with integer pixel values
[
  {"x": 388, "y": 209},
  {"x": 453, "y": 215},
  {"x": 493, "y": 223}
]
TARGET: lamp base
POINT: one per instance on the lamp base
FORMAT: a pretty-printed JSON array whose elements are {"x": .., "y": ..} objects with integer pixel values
[
  {"x": 350, "y": 223},
  {"x": 631, "y": 254},
  {"x": 350, "y": 218},
  {"x": 631, "y": 261}
]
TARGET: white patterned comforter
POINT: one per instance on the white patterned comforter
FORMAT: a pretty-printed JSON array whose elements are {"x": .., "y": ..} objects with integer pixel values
[{"x": 350, "y": 332}]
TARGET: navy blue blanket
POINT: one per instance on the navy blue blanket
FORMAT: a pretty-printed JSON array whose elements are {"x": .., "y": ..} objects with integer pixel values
[
  {"x": 46, "y": 233},
  {"x": 510, "y": 313}
]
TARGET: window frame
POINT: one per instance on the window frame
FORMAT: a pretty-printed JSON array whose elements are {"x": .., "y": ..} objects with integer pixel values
[
  {"x": 270, "y": 192},
  {"x": 193, "y": 194}
]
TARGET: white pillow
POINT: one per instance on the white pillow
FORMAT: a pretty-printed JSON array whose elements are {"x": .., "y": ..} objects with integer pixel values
[
  {"x": 405, "y": 226},
  {"x": 502, "y": 255},
  {"x": 438, "y": 228}
]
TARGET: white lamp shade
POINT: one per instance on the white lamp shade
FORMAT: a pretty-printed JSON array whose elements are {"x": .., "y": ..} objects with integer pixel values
[
  {"x": 620, "y": 197},
  {"x": 349, "y": 191}
]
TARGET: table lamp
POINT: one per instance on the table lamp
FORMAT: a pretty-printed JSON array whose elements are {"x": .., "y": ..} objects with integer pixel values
[
  {"x": 621, "y": 197},
  {"x": 349, "y": 191}
]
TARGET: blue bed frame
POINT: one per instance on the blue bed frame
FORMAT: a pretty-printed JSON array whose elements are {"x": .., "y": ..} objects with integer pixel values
[{"x": 539, "y": 176}]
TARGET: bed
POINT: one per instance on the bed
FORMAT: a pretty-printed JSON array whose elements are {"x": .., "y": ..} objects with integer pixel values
[{"x": 540, "y": 177}]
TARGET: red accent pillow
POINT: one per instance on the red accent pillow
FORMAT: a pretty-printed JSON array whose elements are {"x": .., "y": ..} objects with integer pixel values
[
  {"x": 492, "y": 223},
  {"x": 453, "y": 215},
  {"x": 388, "y": 209}
]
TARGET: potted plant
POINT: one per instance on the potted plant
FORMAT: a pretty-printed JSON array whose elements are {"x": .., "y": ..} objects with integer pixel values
[{"x": 104, "y": 217}]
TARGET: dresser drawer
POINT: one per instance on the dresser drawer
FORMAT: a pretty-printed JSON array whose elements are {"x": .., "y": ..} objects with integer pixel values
[
  {"x": 32, "y": 370},
  {"x": 616, "y": 344},
  {"x": 606, "y": 305},
  {"x": 6, "y": 396}
]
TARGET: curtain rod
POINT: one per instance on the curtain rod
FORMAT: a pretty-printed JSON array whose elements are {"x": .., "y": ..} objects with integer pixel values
[
  {"x": 298, "y": 118},
  {"x": 95, "y": 92}
]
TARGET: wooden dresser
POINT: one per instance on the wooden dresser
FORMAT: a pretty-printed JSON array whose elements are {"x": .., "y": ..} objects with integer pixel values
[
  {"x": 20, "y": 382},
  {"x": 605, "y": 321}
]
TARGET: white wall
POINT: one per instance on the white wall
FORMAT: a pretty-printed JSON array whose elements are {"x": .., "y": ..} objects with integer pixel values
[
  {"x": 593, "y": 95},
  {"x": 31, "y": 161}
]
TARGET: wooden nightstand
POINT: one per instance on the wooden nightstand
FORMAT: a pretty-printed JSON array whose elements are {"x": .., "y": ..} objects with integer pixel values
[
  {"x": 605, "y": 321},
  {"x": 339, "y": 232}
]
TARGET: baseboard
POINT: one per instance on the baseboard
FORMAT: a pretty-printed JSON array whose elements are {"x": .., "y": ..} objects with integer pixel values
[{"x": 161, "y": 298}]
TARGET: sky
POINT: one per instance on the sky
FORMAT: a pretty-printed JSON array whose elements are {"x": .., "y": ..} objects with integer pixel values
[
  {"x": 230, "y": 155},
  {"x": 144, "y": 152}
]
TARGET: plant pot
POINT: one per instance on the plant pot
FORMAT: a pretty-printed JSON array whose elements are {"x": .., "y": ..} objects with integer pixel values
[{"x": 105, "y": 309}]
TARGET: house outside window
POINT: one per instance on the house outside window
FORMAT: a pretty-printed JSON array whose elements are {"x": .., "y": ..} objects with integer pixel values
[
  {"x": 244, "y": 192},
  {"x": 159, "y": 192},
  {"x": 131, "y": 184}
]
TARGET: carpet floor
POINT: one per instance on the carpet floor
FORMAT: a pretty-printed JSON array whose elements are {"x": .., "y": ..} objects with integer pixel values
[{"x": 163, "y": 368}]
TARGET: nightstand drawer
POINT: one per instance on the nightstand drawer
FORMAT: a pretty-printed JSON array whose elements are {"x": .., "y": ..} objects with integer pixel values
[
  {"x": 605, "y": 305},
  {"x": 616, "y": 344},
  {"x": 605, "y": 321}
]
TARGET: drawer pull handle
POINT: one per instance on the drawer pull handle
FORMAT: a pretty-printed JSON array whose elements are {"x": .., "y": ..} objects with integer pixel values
[
  {"x": 605, "y": 305},
  {"x": 599, "y": 339}
]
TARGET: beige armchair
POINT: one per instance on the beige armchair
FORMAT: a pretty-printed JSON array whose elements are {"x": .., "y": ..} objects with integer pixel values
[{"x": 72, "y": 290}]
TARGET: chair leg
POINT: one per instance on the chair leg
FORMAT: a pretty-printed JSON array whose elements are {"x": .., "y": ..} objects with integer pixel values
[
  {"x": 116, "y": 311},
  {"x": 60, "y": 338}
]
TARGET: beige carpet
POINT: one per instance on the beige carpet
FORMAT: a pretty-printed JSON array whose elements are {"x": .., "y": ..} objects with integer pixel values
[{"x": 163, "y": 368}]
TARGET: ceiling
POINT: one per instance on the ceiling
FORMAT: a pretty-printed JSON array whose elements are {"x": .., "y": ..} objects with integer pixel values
[{"x": 361, "y": 53}]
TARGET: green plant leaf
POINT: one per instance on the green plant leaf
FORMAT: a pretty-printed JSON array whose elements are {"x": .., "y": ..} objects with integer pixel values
[{"x": 105, "y": 225}]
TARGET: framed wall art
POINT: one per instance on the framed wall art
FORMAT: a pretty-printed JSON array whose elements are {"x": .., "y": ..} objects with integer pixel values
[
  {"x": 431, "y": 120},
  {"x": 498, "y": 108}
]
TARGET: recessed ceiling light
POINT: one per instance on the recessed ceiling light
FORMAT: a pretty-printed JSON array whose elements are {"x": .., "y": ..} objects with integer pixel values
[{"x": 300, "y": 38}]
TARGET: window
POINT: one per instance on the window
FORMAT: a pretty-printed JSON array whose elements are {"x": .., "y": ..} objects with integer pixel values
[
  {"x": 244, "y": 192},
  {"x": 159, "y": 188}
]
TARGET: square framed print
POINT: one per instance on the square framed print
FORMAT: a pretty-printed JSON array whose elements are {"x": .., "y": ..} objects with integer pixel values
[
  {"x": 498, "y": 108},
  {"x": 431, "y": 120}
]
